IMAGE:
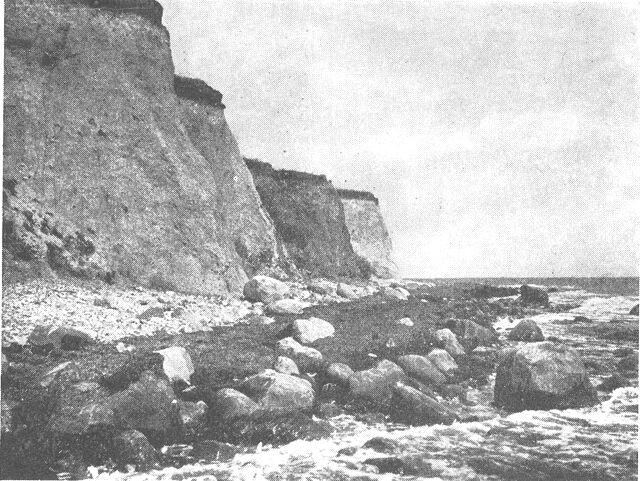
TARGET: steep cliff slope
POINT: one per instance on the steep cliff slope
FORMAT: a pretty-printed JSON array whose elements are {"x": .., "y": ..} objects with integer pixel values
[
  {"x": 309, "y": 220},
  {"x": 101, "y": 177},
  {"x": 369, "y": 236},
  {"x": 251, "y": 230}
]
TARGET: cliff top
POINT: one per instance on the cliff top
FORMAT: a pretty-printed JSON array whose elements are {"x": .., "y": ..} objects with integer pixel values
[
  {"x": 264, "y": 167},
  {"x": 197, "y": 90},
  {"x": 357, "y": 195},
  {"x": 149, "y": 9}
]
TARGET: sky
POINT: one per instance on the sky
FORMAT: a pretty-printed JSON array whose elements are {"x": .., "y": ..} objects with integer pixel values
[{"x": 502, "y": 139}]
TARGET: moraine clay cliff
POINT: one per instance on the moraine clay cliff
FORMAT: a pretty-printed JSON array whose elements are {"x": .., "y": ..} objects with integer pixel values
[
  {"x": 369, "y": 235},
  {"x": 115, "y": 168}
]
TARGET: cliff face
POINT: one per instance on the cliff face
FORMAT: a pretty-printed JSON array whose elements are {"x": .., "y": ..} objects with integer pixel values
[
  {"x": 106, "y": 172},
  {"x": 369, "y": 236},
  {"x": 309, "y": 220}
]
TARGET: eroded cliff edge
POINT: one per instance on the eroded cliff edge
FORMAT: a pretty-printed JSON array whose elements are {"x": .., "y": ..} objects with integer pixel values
[
  {"x": 369, "y": 235},
  {"x": 106, "y": 172},
  {"x": 309, "y": 220}
]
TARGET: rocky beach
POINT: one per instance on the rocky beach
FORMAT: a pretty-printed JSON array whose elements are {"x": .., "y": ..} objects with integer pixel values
[
  {"x": 172, "y": 309},
  {"x": 434, "y": 380}
]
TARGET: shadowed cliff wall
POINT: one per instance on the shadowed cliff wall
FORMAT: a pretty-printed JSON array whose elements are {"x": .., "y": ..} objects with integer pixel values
[
  {"x": 309, "y": 220},
  {"x": 369, "y": 236},
  {"x": 106, "y": 173}
]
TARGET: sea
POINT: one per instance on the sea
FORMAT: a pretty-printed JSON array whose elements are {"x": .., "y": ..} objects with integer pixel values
[{"x": 596, "y": 443}]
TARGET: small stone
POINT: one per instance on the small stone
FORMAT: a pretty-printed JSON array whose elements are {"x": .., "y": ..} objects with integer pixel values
[
  {"x": 382, "y": 445},
  {"x": 405, "y": 321},
  {"x": 346, "y": 291},
  {"x": 635, "y": 310},
  {"x": 422, "y": 368},
  {"x": 323, "y": 287},
  {"x": 194, "y": 416},
  {"x": 613, "y": 382}
]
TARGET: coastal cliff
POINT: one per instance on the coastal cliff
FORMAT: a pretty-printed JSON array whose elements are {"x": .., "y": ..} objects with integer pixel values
[
  {"x": 369, "y": 235},
  {"x": 106, "y": 172},
  {"x": 309, "y": 219}
]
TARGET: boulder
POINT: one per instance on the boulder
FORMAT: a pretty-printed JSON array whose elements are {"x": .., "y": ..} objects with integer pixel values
[
  {"x": 265, "y": 289},
  {"x": 543, "y": 375},
  {"x": 339, "y": 373},
  {"x": 132, "y": 447},
  {"x": 527, "y": 331},
  {"x": 405, "y": 321},
  {"x": 634, "y": 310},
  {"x": 443, "y": 361},
  {"x": 285, "y": 365},
  {"x": 382, "y": 445},
  {"x": 306, "y": 358},
  {"x": 146, "y": 405},
  {"x": 123, "y": 375},
  {"x": 310, "y": 330},
  {"x": 471, "y": 334},
  {"x": 323, "y": 287},
  {"x": 193, "y": 416},
  {"x": 286, "y": 306},
  {"x": 375, "y": 385},
  {"x": 279, "y": 393},
  {"x": 629, "y": 362},
  {"x": 59, "y": 337},
  {"x": 347, "y": 291},
  {"x": 394, "y": 293},
  {"x": 422, "y": 368},
  {"x": 613, "y": 382},
  {"x": 177, "y": 364},
  {"x": 533, "y": 296},
  {"x": 230, "y": 404},
  {"x": 410, "y": 406},
  {"x": 448, "y": 341}
]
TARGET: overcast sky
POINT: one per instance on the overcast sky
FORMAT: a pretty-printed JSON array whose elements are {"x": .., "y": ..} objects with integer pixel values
[{"x": 501, "y": 139}]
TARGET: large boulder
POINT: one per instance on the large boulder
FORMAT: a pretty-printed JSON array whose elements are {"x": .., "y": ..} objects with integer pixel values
[
  {"x": 375, "y": 385},
  {"x": 443, "y": 361},
  {"x": 306, "y": 358},
  {"x": 347, "y": 291},
  {"x": 448, "y": 341},
  {"x": 543, "y": 375},
  {"x": 265, "y": 289},
  {"x": 527, "y": 331},
  {"x": 471, "y": 334},
  {"x": 310, "y": 330},
  {"x": 278, "y": 393},
  {"x": 229, "y": 404},
  {"x": 132, "y": 447},
  {"x": 533, "y": 295},
  {"x": 410, "y": 406},
  {"x": 422, "y": 368},
  {"x": 323, "y": 287},
  {"x": 286, "y": 306}
]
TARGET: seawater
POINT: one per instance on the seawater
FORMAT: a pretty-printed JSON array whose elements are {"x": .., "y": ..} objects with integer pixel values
[{"x": 589, "y": 443}]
